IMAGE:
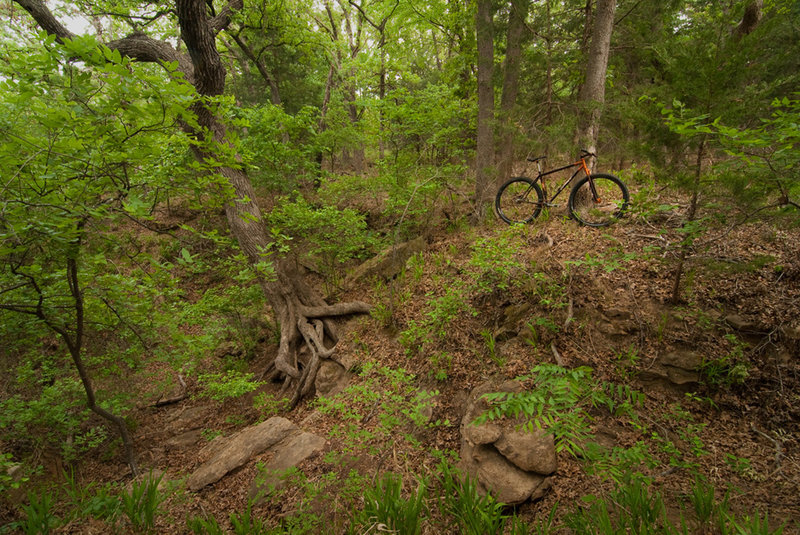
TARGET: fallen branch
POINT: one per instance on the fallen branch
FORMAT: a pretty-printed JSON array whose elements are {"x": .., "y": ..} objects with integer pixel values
[{"x": 174, "y": 399}]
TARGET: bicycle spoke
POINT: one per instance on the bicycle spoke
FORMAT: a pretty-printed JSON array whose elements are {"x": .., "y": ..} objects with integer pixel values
[
  {"x": 519, "y": 201},
  {"x": 601, "y": 207}
]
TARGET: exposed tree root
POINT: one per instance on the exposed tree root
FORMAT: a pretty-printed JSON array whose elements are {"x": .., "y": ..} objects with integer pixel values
[{"x": 308, "y": 334}]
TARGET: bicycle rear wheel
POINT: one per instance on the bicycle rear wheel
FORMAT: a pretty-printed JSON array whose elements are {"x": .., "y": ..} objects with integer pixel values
[
  {"x": 601, "y": 205},
  {"x": 519, "y": 200}
]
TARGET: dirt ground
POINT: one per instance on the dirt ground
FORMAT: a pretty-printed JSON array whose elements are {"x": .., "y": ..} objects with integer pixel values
[{"x": 740, "y": 301}]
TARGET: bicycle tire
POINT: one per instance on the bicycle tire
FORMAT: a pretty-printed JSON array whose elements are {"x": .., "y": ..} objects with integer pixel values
[
  {"x": 513, "y": 202},
  {"x": 604, "y": 209}
]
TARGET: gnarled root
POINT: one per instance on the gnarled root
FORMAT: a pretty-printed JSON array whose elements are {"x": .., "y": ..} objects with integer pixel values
[{"x": 308, "y": 334}]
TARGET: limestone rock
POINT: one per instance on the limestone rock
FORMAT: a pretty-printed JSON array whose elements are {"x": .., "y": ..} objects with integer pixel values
[
  {"x": 184, "y": 440},
  {"x": 682, "y": 366},
  {"x": 189, "y": 418},
  {"x": 331, "y": 378},
  {"x": 792, "y": 332},
  {"x": 507, "y": 483},
  {"x": 507, "y": 461},
  {"x": 239, "y": 449},
  {"x": 617, "y": 322},
  {"x": 486, "y": 433},
  {"x": 742, "y": 324},
  {"x": 287, "y": 454},
  {"x": 512, "y": 316},
  {"x": 532, "y": 451},
  {"x": 388, "y": 263},
  {"x": 679, "y": 368}
]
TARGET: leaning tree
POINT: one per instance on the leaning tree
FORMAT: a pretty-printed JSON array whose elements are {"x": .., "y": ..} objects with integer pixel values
[{"x": 307, "y": 333}]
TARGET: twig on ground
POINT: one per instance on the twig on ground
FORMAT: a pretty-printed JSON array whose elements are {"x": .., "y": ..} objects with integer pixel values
[
  {"x": 776, "y": 443},
  {"x": 557, "y": 355},
  {"x": 569, "y": 313}
]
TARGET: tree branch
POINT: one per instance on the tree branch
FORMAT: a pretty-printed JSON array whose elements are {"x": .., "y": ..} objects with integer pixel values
[
  {"x": 220, "y": 22},
  {"x": 137, "y": 46},
  {"x": 141, "y": 47},
  {"x": 45, "y": 19}
]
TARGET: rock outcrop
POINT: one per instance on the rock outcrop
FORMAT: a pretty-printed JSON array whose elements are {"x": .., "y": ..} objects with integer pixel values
[
  {"x": 277, "y": 434},
  {"x": 511, "y": 462},
  {"x": 388, "y": 263}
]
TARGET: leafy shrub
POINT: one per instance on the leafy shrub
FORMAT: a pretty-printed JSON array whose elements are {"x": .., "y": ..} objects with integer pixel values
[
  {"x": 631, "y": 508},
  {"x": 39, "y": 516},
  {"x": 384, "y": 396},
  {"x": 384, "y": 504},
  {"x": 425, "y": 125},
  {"x": 730, "y": 369},
  {"x": 559, "y": 401},
  {"x": 280, "y": 148},
  {"x": 59, "y": 411},
  {"x": 440, "y": 314},
  {"x": 227, "y": 385},
  {"x": 495, "y": 260},
  {"x": 472, "y": 512},
  {"x": 91, "y": 499},
  {"x": 327, "y": 235}
]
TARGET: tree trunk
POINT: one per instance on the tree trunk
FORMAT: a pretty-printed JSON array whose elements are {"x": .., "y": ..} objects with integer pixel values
[
  {"x": 303, "y": 315},
  {"x": 75, "y": 346},
  {"x": 675, "y": 295},
  {"x": 549, "y": 74},
  {"x": 516, "y": 31},
  {"x": 750, "y": 19},
  {"x": 484, "y": 157},
  {"x": 593, "y": 91}
]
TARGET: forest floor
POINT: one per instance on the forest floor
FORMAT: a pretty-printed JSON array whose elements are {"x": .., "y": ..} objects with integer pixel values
[{"x": 583, "y": 297}]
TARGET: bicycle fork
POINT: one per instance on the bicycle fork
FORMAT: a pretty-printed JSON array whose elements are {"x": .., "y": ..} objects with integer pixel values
[{"x": 592, "y": 188}]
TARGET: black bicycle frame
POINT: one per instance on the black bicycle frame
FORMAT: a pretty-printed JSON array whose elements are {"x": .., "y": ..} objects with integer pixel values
[{"x": 540, "y": 178}]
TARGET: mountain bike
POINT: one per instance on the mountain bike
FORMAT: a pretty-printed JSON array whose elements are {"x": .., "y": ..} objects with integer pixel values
[{"x": 596, "y": 200}]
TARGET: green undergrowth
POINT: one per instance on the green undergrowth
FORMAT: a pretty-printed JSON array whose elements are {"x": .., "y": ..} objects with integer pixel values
[
  {"x": 384, "y": 412},
  {"x": 446, "y": 501}
]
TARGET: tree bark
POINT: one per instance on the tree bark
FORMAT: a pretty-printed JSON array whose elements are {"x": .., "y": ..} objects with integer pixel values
[
  {"x": 514, "y": 40},
  {"x": 592, "y": 95},
  {"x": 675, "y": 294},
  {"x": 484, "y": 156},
  {"x": 750, "y": 19},
  {"x": 303, "y": 315}
]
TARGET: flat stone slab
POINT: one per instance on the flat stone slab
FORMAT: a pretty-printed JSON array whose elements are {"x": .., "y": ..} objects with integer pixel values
[
  {"x": 287, "y": 454},
  {"x": 239, "y": 449}
]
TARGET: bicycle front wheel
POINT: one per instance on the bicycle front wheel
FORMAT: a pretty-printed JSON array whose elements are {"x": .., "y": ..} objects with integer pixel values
[
  {"x": 519, "y": 200},
  {"x": 598, "y": 200}
]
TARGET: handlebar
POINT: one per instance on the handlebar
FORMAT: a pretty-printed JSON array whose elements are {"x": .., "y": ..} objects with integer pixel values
[{"x": 585, "y": 152}]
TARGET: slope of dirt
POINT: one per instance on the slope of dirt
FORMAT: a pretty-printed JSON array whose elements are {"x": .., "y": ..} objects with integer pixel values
[{"x": 570, "y": 295}]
